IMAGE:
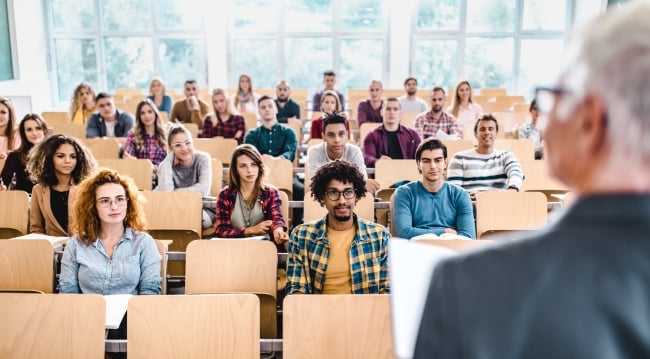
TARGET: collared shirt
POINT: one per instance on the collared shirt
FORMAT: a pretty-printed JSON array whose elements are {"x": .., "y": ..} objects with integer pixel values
[
  {"x": 428, "y": 126},
  {"x": 279, "y": 141},
  {"x": 271, "y": 206},
  {"x": 309, "y": 250},
  {"x": 225, "y": 129},
  {"x": 375, "y": 144},
  {"x": 150, "y": 150},
  {"x": 530, "y": 131},
  {"x": 134, "y": 268}
]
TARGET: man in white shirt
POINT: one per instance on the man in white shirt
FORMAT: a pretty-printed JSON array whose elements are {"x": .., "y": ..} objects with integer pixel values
[{"x": 410, "y": 102}]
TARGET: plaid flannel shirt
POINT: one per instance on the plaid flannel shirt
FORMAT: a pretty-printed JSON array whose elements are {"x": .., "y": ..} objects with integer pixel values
[
  {"x": 427, "y": 126},
  {"x": 308, "y": 255},
  {"x": 151, "y": 149},
  {"x": 271, "y": 206},
  {"x": 225, "y": 129}
]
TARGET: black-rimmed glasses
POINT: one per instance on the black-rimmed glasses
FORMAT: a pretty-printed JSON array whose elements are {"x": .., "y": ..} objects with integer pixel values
[{"x": 334, "y": 195}]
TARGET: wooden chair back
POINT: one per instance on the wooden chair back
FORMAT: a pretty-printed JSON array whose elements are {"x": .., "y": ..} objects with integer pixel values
[
  {"x": 173, "y": 211},
  {"x": 388, "y": 172},
  {"x": 193, "y": 128},
  {"x": 236, "y": 266},
  {"x": 140, "y": 170},
  {"x": 493, "y": 92},
  {"x": 522, "y": 148},
  {"x": 163, "y": 246},
  {"x": 194, "y": 326},
  {"x": 103, "y": 147},
  {"x": 455, "y": 146},
  {"x": 27, "y": 265},
  {"x": 52, "y": 325},
  {"x": 14, "y": 213},
  {"x": 70, "y": 130},
  {"x": 538, "y": 179},
  {"x": 498, "y": 211},
  {"x": 55, "y": 118},
  {"x": 217, "y": 177},
  {"x": 250, "y": 120},
  {"x": 280, "y": 173},
  {"x": 337, "y": 326},
  {"x": 217, "y": 147},
  {"x": 364, "y": 129}
]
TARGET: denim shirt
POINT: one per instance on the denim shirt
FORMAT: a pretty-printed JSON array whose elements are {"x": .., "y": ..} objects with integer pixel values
[{"x": 134, "y": 268}]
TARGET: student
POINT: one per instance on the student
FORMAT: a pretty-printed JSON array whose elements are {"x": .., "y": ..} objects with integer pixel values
[
  {"x": 330, "y": 103},
  {"x": 9, "y": 137},
  {"x": 246, "y": 99},
  {"x": 370, "y": 109},
  {"x": 109, "y": 121},
  {"x": 531, "y": 131},
  {"x": 148, "y": 138},
  {"x": 464, "y": 109},
  {"x": 431, "y": 205},
  {"x": 248, "y": 206},
  {"x": 32, "y": 131},
  {"x": 110, "y": 252},
  {"x": 340, "y": 253},
  {"x": 192, "y": 109},
  {"x": 82, "y": 104},
  {"x": 158, "y": 95},
  {"x": 57, "y": 165},
  {"x": 185, "y": 169},
  {"x": 329, "y": 83},
  {"x": 226, "y": 121}
]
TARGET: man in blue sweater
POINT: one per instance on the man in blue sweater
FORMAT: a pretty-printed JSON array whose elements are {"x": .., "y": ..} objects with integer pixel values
[{"x": 431, "y": 205}]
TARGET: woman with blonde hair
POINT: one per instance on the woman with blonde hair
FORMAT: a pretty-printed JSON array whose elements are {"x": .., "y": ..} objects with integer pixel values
[
  {"x": 248, "y": 206},
  {"x": 57, "y": 165},
  {"x": 226, "y": 121},
  {"x": 246, "y": 98},
  {"x": 465, "y": 111},
  {"x": 110, "y": 252},
  {"x": 32, "y": 131},
  {"x": 158, "y": 95},
  {"x": 329, "y": 103},
  {"x": 82, "y": 104},
  {"x": 9, "y": 138}
]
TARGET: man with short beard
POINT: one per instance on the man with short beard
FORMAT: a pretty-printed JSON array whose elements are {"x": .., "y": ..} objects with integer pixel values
[
  {"x": 410, "y": 102},
  {"x": 437, "y": 123},
  {"x": 340, "y": 253},
  {"x": 288, "y": 109}
]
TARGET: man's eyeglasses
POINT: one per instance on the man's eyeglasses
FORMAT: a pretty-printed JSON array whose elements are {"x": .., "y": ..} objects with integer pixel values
[
  {"x": 334, "y": 195},
  {"x": 545, "y": 97},
  {"x": 120, "y": 201}
]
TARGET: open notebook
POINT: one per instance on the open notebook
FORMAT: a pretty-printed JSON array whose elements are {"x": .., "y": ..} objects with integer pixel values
[{"x": 411, "y": 265}]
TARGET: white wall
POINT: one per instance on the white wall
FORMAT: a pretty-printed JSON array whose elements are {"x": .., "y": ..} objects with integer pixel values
[{"x": 32, "y": 77}]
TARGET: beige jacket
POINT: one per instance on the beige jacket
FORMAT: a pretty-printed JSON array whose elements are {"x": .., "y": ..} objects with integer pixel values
[{"x": 41, "y": 217}]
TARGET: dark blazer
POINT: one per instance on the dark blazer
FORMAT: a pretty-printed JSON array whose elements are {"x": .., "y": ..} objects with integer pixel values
[
  {"x": 96, "y": 127},
  {"x": 580, "y": 289}
]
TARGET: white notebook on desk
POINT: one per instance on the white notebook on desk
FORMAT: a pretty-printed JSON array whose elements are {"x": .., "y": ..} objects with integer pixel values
[
  {"x": 411, "y": 265},
  {"x": 55, "y": 241},
  {"x": 116, "y": 306}
]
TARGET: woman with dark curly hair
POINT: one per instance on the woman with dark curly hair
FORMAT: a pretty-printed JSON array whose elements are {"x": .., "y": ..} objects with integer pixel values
[
  {"x": 110, "y": 252},
  {"x": 248, "y": 207},
  {"x": 56, "y": 165},
  {"x": 32, "y": 131}
]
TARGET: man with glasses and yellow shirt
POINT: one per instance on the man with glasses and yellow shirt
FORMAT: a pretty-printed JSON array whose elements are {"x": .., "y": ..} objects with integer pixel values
[{"x": 340, "y": 253}]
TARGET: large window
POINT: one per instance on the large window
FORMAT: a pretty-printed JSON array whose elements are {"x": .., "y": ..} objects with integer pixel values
[
  {"x": 297, "y": 40},
  {"x": 111, "y": 44},
  {"x": 514, "y": 44},
  {"x": 124, "y": 43}
]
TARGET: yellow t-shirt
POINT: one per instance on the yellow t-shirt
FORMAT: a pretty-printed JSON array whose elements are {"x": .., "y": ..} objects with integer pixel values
[
  {"x": 338, "y": 279},
  {"x": 81, "y": 115}
]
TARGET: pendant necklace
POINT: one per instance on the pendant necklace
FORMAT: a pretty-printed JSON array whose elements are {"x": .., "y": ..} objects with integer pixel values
[{"x": 242, "y": 204}]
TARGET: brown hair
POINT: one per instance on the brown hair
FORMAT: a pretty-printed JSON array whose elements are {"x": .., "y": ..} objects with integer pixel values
[
  {"x": 86, "y": 219},
  {"x": 233, "y": 179},
  {"x": 10, "y": 132}
]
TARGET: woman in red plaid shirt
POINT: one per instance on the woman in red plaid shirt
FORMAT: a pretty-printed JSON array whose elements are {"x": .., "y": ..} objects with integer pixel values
[
  {"x": 226, "y": 121},
  {"x": 247, "y": 206}
]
